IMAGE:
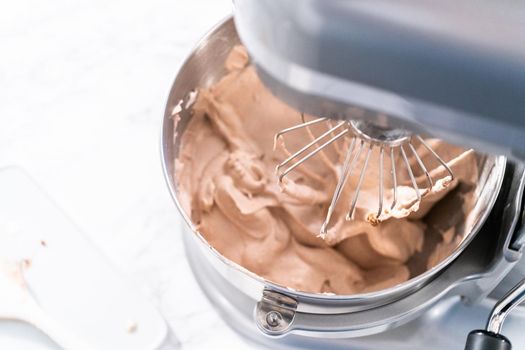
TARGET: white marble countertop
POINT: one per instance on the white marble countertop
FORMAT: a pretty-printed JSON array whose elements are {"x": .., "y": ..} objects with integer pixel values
[
  {"x": 83, "y": 86},
  {"x": 82, "y": 91}
]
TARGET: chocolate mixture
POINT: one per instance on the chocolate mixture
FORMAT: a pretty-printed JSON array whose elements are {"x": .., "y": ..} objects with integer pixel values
[{"x": 227, "y": 184}]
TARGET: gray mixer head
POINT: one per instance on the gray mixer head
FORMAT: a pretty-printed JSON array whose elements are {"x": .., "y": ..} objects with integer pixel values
[{"x": 455, "y": 70}]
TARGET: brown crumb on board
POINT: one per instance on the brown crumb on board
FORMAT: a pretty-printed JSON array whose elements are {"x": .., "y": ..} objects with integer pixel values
[
  {"x": 131, "y": 326},
  {"x": 27, "y": 263}
]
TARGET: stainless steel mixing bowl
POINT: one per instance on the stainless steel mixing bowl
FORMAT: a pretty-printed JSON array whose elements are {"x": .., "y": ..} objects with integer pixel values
[{"x": 202, "y": 68}]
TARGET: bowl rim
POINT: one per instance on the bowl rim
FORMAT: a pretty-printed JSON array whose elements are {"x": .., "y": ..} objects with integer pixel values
[{"x": 407, "y": 286}]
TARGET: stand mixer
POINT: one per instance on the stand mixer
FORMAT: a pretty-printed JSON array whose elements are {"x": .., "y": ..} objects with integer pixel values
[
  {"x": 453, "y": 70},
  {"x": 409, "y": 67}
]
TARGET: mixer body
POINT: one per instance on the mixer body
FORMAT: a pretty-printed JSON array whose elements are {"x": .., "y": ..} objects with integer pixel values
[
  {"x": 491, "y": 248},
  {"x": 454, "y": 69}
]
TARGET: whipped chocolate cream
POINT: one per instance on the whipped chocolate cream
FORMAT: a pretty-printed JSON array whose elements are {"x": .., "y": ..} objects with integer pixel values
[{"x": 227, "y": 185}]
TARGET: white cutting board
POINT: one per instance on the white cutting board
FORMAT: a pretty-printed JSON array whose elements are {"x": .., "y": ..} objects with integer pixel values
[{"x": 71, "y": 280}]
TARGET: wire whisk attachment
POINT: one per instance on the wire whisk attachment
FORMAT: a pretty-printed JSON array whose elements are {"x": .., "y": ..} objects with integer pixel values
[{"x": 363, "y": 138}]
